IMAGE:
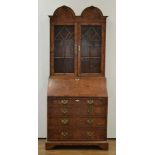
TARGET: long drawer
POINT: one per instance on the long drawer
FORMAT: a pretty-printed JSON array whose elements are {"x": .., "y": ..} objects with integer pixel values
[
  {"x": 65, "y": 107},
  {"x": 77, "y": 121},
  {"x": 62, "y": 133},
  {"x": 65, "y": 101}
]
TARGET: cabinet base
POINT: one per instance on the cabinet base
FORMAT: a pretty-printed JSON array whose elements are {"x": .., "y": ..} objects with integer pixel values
[{"x": 102, "y": 144}]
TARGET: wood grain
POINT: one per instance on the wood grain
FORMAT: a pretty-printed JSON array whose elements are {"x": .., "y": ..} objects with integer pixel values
[
  {"x": 74, "y": 87},
  {"x": 77, "y": 92}
]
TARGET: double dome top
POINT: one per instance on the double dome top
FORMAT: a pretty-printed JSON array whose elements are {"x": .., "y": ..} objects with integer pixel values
[{"x": 89, "y": 12}]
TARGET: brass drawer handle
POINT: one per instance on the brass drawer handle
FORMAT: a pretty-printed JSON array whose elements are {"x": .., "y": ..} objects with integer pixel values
[
  {"x": 90, "y": 101},
  {"x": 64, "y": 133},
  {"x": 90, "y": 121},
  {"x": 64, "y": 110},
  {"x": 64, "y": 121},
  {"x": 90, "y": 134},
  {"x": 64, "y": 101}
]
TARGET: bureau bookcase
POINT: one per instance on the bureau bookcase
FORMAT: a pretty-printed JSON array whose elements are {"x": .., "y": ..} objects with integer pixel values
[{"x": 77, "y": 100}]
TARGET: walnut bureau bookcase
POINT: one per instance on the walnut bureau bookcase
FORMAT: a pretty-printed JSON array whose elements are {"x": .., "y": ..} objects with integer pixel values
[{"x": 77, "y": 94}]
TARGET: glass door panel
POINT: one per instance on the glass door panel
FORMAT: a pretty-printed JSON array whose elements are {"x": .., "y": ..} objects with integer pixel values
[
  {"x": 64, "y": 49},
  {"x": 90, "y": 53}
]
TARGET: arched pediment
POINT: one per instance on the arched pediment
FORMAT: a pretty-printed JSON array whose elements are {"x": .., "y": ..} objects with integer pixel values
[
  {"x": 92, "y": 12},
  {"x": 64, "y": 12}
]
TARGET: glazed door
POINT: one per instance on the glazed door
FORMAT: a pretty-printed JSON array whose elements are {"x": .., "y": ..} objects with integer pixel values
[
  {"x": 90, "y": 51},
  {"x": 63, "y": 59}
]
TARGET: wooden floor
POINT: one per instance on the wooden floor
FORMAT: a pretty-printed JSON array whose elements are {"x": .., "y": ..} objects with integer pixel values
[{"x": 72, "y": 150}]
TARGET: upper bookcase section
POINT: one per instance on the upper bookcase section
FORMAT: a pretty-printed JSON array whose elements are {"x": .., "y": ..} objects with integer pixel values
[
  {"x": 67, "y": 14},
  {"x": 77, "y": 43}
]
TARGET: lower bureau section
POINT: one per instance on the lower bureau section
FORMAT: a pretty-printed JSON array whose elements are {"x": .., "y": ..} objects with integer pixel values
[
  {"x": 77, "y": 121},
  {"x": 76, "y": 134}
]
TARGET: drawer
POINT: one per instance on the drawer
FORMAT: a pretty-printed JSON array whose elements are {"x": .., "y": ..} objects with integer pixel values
[
  {"x": 77, "y": 107},
  {"x": 70, "y": 101},
  {"x": 76, "y": 134},
  {"x": 79, "y": 122}
]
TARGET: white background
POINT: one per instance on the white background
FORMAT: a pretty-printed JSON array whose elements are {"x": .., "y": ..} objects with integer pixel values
[
  {"x": 47, "y": 8},
  {"x": 135, "y": 77}
]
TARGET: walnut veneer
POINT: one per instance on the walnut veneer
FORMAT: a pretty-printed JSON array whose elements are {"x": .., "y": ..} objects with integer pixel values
[{"x": 77, "y": 93}]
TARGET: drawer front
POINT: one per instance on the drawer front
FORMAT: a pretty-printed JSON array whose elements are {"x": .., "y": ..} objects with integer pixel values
[
  {"x": 66, "y": 101},
  {"x": 79, "y": 122},
  {"x": 80, "y": 107},
  {"x": 76, "y": 134}
]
